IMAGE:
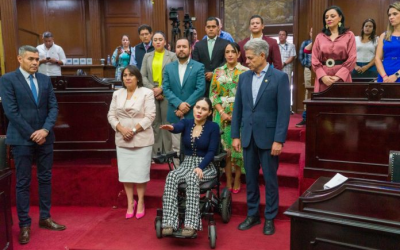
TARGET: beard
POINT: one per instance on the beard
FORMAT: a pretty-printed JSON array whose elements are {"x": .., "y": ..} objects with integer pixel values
[{"x": 182, "y": 56}]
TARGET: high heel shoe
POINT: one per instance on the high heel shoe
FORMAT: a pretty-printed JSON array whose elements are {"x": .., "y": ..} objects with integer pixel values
[
  {"x": 236, "y": 191},
  {"x": 141, "y": 215},
  {"x": 130, "y": 215}
]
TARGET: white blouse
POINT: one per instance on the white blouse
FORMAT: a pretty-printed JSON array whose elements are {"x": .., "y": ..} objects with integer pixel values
[{"x": 365, "y": 51}]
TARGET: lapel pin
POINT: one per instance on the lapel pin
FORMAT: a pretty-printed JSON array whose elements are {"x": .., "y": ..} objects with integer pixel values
[{"x": 266, "y": 80}]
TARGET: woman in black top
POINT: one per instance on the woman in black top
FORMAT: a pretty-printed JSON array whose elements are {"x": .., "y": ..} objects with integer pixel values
[{"x": 201, "y": 139}]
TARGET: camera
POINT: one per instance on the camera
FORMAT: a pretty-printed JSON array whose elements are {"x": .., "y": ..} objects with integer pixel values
[
  {"x": 173, "y": 14},
  {"x": 187, "y": 19},
  {"x": 48, "y": 58}
]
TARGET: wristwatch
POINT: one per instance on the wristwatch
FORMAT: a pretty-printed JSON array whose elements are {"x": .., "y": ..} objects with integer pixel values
[
  {"x": 134, "y": 131},
  {"x": 397, "y": 74}
]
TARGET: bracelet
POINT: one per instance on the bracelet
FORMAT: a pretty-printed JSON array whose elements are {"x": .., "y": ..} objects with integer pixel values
[
  {"x": 384, "y": 76},
  {"x": 221, "y": 111}
]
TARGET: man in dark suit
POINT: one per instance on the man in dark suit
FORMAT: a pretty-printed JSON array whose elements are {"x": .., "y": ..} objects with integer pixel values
[
  {"x": 210, "y": 51},
  {"x": 31, "y": 108},
  {"x": 145, "y": 34},
  {"x": 183, "y": 84},
  {"x": 256, "y": 26},
  {"x": 259, "y": 125}
]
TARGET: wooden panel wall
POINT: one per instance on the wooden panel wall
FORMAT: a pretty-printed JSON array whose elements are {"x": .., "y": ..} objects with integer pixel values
[
  {"x": 9, "y": 27},
  {"x": 66, "y": 19},
  {"x": 355, "y": 17},
  {"x": 122, "y": 17}
]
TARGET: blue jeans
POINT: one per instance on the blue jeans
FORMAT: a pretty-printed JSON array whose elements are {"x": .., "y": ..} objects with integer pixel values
[{"x": 23, "y": 156}]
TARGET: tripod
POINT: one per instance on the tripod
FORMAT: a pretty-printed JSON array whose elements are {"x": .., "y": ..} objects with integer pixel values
[{"x": 176, "y": 33}]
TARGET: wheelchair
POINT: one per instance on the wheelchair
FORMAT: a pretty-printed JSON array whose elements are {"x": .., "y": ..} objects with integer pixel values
[{"x": 212, "y": 200}]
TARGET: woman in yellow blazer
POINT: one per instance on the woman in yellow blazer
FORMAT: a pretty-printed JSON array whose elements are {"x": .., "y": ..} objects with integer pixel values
[
  {"x": 131, "y": 114},
  {"x": 152, "y": 71}
]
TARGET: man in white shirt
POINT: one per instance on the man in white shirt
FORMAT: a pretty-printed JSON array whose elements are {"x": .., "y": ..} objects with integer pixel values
[
  {"x": 288, "y": 53},
  {"x": 51, "y": 56},
  {"x": 183, "y": 84}
]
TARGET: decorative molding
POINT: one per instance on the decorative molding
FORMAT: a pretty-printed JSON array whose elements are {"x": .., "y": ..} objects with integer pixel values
[
  {"x": 135, "y": 6},
  {"x": 95, "y": 25},
  {"x": 9, "y": 27}
]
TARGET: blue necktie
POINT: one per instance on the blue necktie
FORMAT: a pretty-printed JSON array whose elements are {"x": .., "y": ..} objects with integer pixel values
[{"x": 33, "y": 88}]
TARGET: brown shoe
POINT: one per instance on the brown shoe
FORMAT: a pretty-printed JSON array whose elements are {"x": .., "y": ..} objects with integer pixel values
[
  {"x": 188, "y": 232},
  {"x": 51, "y": 225},
  {"x": 24, "y": 235}
]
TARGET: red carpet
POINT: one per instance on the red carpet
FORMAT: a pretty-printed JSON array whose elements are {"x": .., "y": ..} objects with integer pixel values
[
  {"x": 105, "y": 229},
  {"x": 85, "y": 184}
]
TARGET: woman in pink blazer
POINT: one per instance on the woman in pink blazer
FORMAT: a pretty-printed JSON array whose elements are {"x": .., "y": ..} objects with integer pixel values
[{"x": 131, "y": 114}]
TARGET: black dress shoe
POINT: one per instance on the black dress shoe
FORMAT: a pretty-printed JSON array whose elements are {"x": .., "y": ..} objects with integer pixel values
[
  {"x": 24, "y": 235},
  {"x": 249, "y": 222},
  {"x": 269, "y": 227},
  {"x": 51, "y": 225}
]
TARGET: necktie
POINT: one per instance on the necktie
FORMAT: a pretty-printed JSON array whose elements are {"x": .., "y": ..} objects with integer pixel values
[
  {"x": 33, "y": 88},
  {"x": 210, "y": 47},
  {"x": 147, "y": 46}
]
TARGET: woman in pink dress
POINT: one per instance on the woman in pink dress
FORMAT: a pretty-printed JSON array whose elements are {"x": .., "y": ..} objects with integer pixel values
[{"x": 334, "y": 52}]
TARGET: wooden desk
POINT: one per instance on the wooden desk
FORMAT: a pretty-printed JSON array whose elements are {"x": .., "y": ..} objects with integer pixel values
[
  {"x": 97, "y": 70},
  {"x": 359, "y": 214},
  {"x": 82, "y": 128},
  {"x": 351, "y": 127}
]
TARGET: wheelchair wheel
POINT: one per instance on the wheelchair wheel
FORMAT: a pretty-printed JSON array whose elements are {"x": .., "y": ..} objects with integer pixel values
[
  {"x": 212, "y": 235},
  {"x": 158, "y": 228},
  {"x": 226, "y": 208}
]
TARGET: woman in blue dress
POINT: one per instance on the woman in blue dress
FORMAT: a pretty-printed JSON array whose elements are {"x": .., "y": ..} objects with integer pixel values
[
  {"x": 123, "y": 56},
  {"x": 388, "y": 48}
]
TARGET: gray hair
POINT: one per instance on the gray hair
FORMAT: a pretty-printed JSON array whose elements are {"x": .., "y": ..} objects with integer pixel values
[
  {"x": 25, "y": 48},
  {"x": 258, "y": 46},
  {"x": 47, "y": 34}
]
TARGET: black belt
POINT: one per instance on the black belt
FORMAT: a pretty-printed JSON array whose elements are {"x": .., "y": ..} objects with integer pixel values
[{"x": 337, "y": 62}]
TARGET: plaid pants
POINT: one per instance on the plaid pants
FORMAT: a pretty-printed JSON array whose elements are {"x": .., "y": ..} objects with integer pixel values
[{"x": 170, "y": 198}]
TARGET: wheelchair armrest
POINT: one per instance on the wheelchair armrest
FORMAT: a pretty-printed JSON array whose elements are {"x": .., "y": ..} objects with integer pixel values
[
  {"x": 159, "y": 159},
  {"x": 171, "y": 154},
  {"x": 220, "y": 157}
]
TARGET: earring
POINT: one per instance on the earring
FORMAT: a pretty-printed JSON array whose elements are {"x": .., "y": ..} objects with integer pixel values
[
  {"x": 326, "y": 26},
  {"x": 340, "y": 24}
]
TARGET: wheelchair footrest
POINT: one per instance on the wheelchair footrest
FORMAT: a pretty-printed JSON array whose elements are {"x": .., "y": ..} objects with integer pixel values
[{"x": 178, "y": 234}]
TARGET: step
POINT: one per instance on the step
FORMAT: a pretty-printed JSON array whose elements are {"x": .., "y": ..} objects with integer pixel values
[{"x": 155, "y": 189}]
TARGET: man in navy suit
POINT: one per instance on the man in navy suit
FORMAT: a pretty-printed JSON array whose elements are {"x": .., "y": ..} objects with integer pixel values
[
  {"x": 183, "y": 84},
  {"x": 210, "y": 51},
  {"x": 259, "y": 125},
  {"x": 31, "y": 108}
]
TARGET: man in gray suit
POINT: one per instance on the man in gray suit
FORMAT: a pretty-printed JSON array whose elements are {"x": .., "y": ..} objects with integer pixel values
[
  {"x": 183, "y": 84},
  {"x": 259, "y": 124}
]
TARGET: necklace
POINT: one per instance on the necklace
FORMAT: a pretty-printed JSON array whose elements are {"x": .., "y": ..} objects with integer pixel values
[{"x": 195, "y": 134}]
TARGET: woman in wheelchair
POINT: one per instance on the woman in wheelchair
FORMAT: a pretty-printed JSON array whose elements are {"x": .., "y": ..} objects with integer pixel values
[{"x": 201, "y": 139}]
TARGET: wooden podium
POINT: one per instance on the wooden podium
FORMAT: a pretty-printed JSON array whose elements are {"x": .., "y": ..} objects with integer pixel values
[
  {"x": 359, "y": 214},
  {"x": 351, "y": 127}
]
